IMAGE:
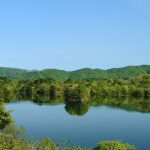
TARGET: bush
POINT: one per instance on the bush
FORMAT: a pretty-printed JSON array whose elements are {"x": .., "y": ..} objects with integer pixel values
[
  {"x": 7, "y": 142},
  {"x": 113, "y": 145},
  {"x": 5, "y": 118},
  {"x": 47, "y": 144}
]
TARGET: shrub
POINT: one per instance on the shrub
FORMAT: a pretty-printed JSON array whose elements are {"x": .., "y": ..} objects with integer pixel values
[{"x": 113, "y": 145}]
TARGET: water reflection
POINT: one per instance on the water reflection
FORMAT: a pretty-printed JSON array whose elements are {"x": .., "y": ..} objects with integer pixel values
[
  {"x": 126, "y": 103},
  {"x": 77, "y": 109},
  {"x": 96, "y": 122}
]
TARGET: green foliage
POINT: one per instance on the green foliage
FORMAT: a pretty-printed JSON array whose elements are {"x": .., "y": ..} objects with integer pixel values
[
  {"x": 76, "y": 148},
  {"x": 15, "y": 131},
  {"x": 7, "y": 142},
  {"x": 81, "y": 91},
  {"x": 78, "y": 92},
  {"x": 113, "y": 145},
  {"x": 47, "y": 144},
  {"x": 5, "y": 118}
]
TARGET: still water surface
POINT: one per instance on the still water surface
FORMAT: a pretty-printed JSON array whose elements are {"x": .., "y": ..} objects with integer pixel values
[{"x": 99, "y": 123}]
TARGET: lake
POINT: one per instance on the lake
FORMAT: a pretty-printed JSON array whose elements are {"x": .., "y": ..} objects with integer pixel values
[{"x": 86, "y": 127}]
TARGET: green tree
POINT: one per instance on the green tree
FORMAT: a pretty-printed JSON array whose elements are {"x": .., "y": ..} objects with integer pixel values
[{"x": 5, "y": 118}]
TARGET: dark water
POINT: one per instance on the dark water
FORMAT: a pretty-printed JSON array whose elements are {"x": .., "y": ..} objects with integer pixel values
[{"x": 99, "y": 123}]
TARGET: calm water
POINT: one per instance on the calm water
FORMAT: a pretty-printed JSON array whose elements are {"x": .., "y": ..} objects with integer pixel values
[{"x": 99, "y": 123}]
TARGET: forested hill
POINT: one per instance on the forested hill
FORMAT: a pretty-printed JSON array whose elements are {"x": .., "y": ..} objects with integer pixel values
[{"x": 81, "y": 74}]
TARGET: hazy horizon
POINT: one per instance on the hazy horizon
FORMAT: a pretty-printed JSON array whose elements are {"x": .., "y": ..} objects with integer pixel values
[{"x": 75, "y": 69}]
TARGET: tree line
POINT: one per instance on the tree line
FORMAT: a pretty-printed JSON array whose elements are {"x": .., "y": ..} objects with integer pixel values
[{"x": 81, "y": 91}]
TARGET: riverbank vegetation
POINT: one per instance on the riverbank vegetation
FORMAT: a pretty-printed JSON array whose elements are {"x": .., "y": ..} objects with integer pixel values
[
  {"x": 8, "y": 142},
  {"x": 82, "y": 91},
  {"x": 11, "y": 138}
]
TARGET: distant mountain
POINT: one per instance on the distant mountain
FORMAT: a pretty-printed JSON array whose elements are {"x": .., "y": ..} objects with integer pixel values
[
  {"x": 48, "y": 73},
  {"x": 13, "y": 73},
  {"x": 87, "y": 73},
  {"x": 81, "y": 74}
]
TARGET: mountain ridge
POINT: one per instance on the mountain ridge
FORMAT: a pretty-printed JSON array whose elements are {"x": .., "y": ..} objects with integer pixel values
[{"x": 80, "y": 74}]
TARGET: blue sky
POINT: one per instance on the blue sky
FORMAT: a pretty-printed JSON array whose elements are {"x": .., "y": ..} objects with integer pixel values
[{"x": 73, "y": 34}]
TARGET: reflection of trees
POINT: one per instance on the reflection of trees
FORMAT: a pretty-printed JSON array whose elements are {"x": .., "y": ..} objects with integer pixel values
[
  {"x": 129, "y": 104},
  {"x": 77, "y": 109},
  {"x": 37, "y": 99},
  {"x": 41, "y": 99}
]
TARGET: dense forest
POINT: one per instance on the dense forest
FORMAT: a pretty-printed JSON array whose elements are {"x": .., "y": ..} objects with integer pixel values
[
  {"x": 81, "y": 74},
  {"x": 82, "y": 91}
]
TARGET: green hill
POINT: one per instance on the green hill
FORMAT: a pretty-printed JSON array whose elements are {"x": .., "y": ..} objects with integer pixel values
[
  {"x": 98, "y": 74},
  {"x": 13, "y": 73},
  {"x": 48, "y": 73},
  {"x": 129, "y": 71},
  {"x": 81, "y": 74},
  {"x": 87, "y": 73}
]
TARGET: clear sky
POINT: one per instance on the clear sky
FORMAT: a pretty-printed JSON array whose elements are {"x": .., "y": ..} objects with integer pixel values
[{"x": 73, "y": 34}]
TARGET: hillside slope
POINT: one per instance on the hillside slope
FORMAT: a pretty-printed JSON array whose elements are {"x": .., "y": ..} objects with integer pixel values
[
  {"x": 13, "y": 73},
  {"x": 81, "y": 74}
]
